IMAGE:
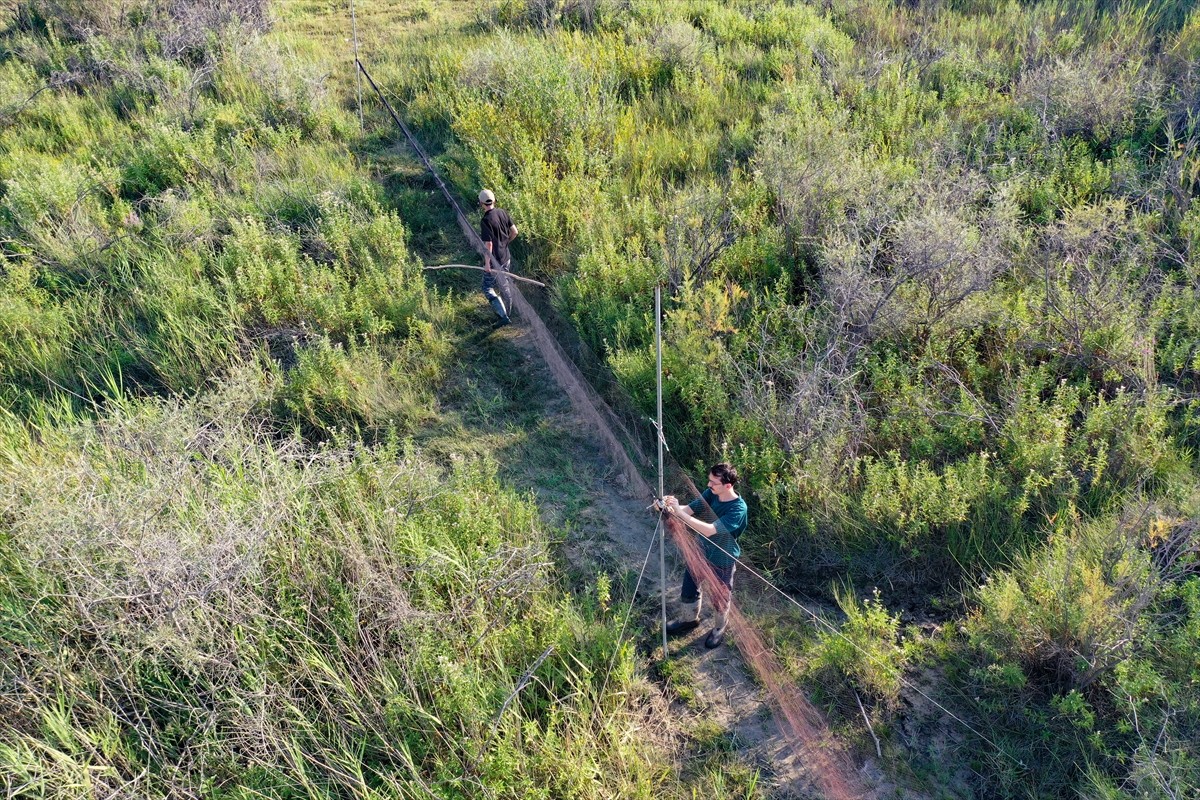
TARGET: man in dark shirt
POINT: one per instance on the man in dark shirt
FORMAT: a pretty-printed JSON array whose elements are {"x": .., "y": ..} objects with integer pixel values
[
  {"x": 496, "y": 229},
  {"x": 720, "y": 546}
]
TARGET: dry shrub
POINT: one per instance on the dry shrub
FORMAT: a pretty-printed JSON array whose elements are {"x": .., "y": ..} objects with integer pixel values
[
  {"x": 548, "y": 15},
  {"x": 814, "y": 165},
  {"x": 698, "y": 226},
  {"x": 191, "y": 23},
  {"x": 902, "y": 270},
  {"x": 895, "y": 251},
  {"x": 678, "y": 46},
  {"x": 183, "y": 24},
  {"x": 797, "y": 378},
  {"x": 1097, "y": 94},
  {"x": 145, "y": 530},
  {"x": 120, "y": 43},
  {"x": 1098, "y": 290}
]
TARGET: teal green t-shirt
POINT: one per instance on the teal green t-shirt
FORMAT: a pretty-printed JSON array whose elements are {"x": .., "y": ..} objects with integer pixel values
[{"x": 731, "y": 519}]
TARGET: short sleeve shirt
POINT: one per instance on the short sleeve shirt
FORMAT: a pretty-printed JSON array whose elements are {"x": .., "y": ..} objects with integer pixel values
[
  {"x": 494, "y": 228},
  {"x": 731, "y": 518}
]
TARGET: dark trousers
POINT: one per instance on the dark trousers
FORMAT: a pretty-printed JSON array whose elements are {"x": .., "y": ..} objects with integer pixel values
[{"x": 690, "y": 592}]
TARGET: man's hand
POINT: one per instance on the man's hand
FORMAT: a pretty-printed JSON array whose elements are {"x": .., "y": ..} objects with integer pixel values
[{"x": 664, "y": 505}]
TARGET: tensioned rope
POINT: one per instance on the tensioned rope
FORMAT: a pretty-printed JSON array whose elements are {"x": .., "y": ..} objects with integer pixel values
[
  {"x": 485, "y": 269},
  {"x": 864, "y": 652},
  {"x": 362, "y": 125},
  {"x": 612, "y": 661}
]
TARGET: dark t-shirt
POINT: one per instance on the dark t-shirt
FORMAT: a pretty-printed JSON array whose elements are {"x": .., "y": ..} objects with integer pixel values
[
  {"x": 731, "y": 518},
  {"x": 494, "y": 228}
]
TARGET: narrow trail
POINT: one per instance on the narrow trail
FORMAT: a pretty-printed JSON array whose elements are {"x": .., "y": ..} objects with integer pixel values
[
  {"x": 616, "y": 528},
  {"x": 551, "y": 439}
]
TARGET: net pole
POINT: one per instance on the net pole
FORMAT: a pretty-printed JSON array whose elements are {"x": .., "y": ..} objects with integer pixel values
[
  {"x": 662, "y": 539},
  {"x": 357, "y": 72}
]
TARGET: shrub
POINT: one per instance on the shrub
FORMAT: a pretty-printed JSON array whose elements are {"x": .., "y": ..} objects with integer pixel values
[
  {"x": 1071, "y": 612},
  {"x": 185, "y": 27},
  {"x": 1099, "y": 93},
  {"x": 868, "y": 651},
  {"x": 793, "y": 376},
  {"x": 547, "y": 15},
  {"x": 912, "y": 500},
  {"x": 1078, "y": 663},
  {"x": 1098, "y": 290},
  {"x": 897, "y": 270}
]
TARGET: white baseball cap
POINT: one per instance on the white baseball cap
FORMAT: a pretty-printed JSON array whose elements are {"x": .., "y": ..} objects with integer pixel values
[{"x": 486, "y": 196}]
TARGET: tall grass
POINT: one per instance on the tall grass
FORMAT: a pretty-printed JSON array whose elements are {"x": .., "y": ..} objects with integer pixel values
[
  {"x": 158, "y": 241},
  {"x": 193, "y": 604}
]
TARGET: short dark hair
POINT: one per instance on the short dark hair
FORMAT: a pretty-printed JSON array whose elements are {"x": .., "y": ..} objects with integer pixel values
[{"x": 724, "y": 472}]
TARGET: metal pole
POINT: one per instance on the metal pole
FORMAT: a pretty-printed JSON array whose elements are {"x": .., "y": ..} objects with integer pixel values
[
  {"x": 357, "y": 72},
  {"x": 662, "y": 540}
]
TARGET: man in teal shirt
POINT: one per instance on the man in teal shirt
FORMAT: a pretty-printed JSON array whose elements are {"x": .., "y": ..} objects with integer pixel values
[{"x": 720, "y": 546}]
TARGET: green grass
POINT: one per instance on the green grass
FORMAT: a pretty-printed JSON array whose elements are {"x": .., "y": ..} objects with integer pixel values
[{"x": 930, "y": 269}]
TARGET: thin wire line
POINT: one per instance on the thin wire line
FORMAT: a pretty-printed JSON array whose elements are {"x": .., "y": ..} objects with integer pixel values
[
  {"x": 629, "y": 611},
  {"x": 358, "y": 75},
  {"x": 852, "y": 643}
]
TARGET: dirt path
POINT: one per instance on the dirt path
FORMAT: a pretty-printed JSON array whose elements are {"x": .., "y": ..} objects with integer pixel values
[
  {"x": 517, "y": 401},
  {"x": 620, "y": 528}
]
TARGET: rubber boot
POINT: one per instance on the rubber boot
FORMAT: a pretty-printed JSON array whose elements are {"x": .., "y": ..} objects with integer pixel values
[
  {"x": 506, "y": 292},
  {"x": 498, "y": 306},
  {"x": 504, "y": 285},
  {"x": 687, "y": 620},
  {"x": 717, "y": 634}
]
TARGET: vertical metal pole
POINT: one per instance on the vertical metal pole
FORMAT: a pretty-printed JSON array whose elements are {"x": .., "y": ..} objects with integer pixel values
[
  {"x": 662, "y": 536},
  {"x": 357, "y": 70}
]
